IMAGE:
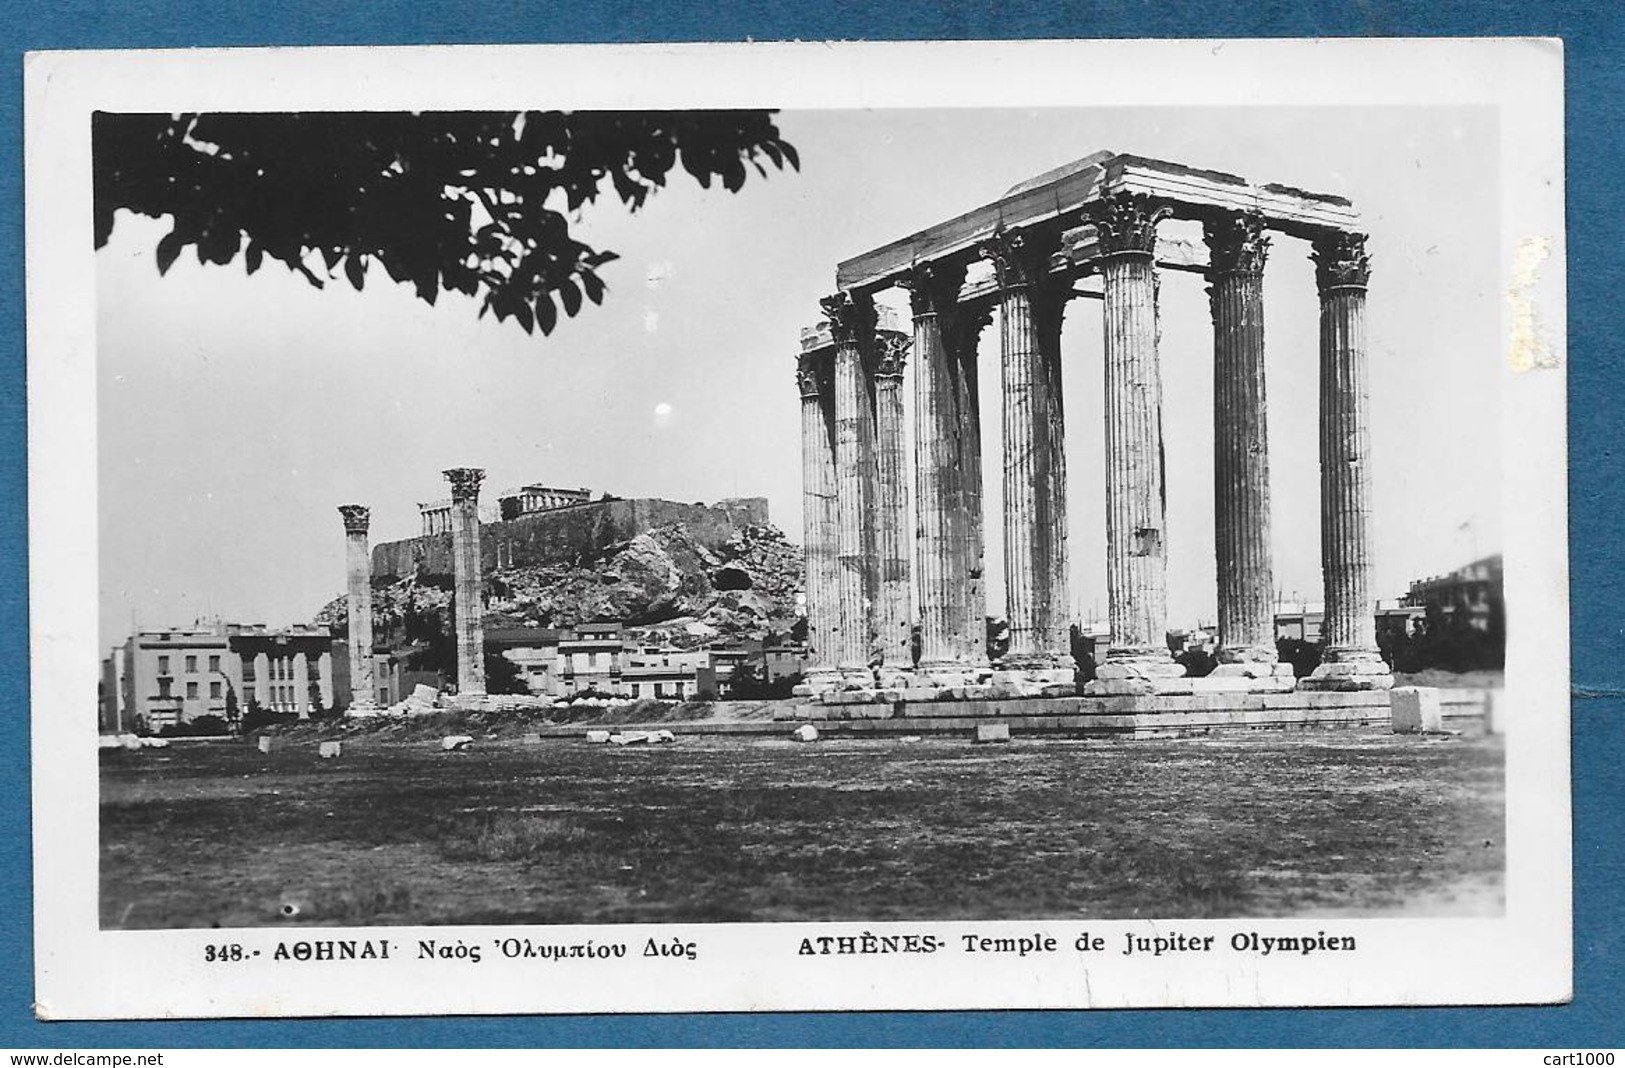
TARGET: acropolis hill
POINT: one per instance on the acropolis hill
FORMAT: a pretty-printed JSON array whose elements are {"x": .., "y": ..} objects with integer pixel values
[{"x": 568, "y": 535}]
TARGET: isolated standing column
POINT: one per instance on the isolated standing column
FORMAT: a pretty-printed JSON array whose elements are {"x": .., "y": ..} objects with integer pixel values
[
  {"x": 820, "y": 518},
  {"x": 1350, "y": 660},
  {"x": 1237, "y": 247},
  {"x": 465, "y": 554},
  {"x": 1136, "y": 549},
  {"x": 358, "y": 570},
  {"x": 852, "y": 325},
  {"x": 893, "y": 622}
]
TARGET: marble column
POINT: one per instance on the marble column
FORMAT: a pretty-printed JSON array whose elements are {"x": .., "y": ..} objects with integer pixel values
[
  {"x": 1136, "y": 508},
  {"x": 1035, "y": 587},
  {"x": 358, "y": 571},
  {"x": 893, "y": 618},
  {"x": 962, "y": 338},
  {"x": 820, "y": 519},
  {"x": 1237, "y": 248},
  {"x": 301, "y": 685},
  {"x": 1349, "y": 658},
  {"x": 468, "y": 612},
  {"x": 943, "y": 534},
  {"x": 852, "y": 327}
]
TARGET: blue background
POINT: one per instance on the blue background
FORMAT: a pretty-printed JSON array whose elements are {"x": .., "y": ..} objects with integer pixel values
[{"x": 1593, "y": 35}]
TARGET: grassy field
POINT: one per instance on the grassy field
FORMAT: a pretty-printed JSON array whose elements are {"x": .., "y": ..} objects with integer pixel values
[{"x": 1248, "y": 824}]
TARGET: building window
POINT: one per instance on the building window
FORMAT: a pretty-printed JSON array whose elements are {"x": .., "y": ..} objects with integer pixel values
[
  {"x": 191, "y": 665},
  {"x": 191, "y": 691},
  {"x": 214, "y": 663},
  {"x": 163, "y": 688},
  {"x": 163, "y": 665},
  {"x": 214, "y": 690},
  {"x": 592, "y": 660}
]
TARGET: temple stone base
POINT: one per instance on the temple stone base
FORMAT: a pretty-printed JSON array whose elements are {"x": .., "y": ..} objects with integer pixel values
[
  {"x": 949, "y": 675},
  {"x": 1145, "y": 673},
  {"x": 1251, "y": 669},
  {"x": 1362, "y": 671},
  {"x": 363, "y": 709},
  {"x": 1050, "y": 676},
  {"x": 817, "y": 682}
]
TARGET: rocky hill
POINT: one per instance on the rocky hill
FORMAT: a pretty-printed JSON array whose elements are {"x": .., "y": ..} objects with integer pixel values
[{"x": 663, "y": 583}]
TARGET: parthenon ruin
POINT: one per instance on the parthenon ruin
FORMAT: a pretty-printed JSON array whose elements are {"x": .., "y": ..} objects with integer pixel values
[{"x": 1090, "y": 230}]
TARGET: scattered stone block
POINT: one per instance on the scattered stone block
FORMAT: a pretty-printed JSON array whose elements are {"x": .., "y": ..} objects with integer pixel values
[
  {"x": 108, "y": 741},
  {"x": 630, "y": 738},
  {"x": 806, "y": 733},
  {"x": 266, "y": 742},
  {"x": 1416, "y": 709},
  {"x": 910, "y": 739},
  {"x": 530, "y": 739},
  {"x": 329, "y": 750},
  {"x": 155, "y": 743},
  {"x": 991, "y": 732},
  {"x": 598, "y": 737},
  {"x": 662, "y": 737},
  {"x": 130, "y": 741},
  {"x": 452, "y": 742}
]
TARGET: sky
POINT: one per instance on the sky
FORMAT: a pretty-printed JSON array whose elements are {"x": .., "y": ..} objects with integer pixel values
[{"x": 236, "y": 413}]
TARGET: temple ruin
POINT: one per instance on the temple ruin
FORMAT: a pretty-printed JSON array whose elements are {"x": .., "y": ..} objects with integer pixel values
[{"x": 1088, "y": 230}]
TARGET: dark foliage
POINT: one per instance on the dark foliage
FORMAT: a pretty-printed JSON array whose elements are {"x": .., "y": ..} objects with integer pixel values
[
  {"x": 1450, "y": 641},
  {"x": 502, "y": 675},
  {"x": 205, "y": 726},
  {"x": 472, "y": 202},
  {"x": 1303, "y": 656},
  {"x": 1197, "y": 662}
]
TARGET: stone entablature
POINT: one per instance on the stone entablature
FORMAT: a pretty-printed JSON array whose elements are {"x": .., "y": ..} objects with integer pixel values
[{"x": 1089, "y": 229}]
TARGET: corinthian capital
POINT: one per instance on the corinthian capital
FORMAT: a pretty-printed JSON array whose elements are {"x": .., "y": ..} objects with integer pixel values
[
  {"x": 1236, "y": 244},
  {"x": 1127, "y": 222},
  {"x": 357, "y": 517},
  {"x": 465, "y": 482},
  {"x": 1019, "y": 257},
  {"x": 851, "y": 318},
  {"x": 891, "y": 354},
  {"x": 1341, "y": 260},
  {"x": 933, "y": 287},
  {"x": 807, "y": 377}
]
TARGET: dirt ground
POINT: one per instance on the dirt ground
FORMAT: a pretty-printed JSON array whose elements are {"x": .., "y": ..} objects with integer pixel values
[{"x": 1246, "y": 824}]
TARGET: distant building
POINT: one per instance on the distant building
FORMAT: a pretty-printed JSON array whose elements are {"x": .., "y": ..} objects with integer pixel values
[
  {"x": 1472, "y": 595},
  {"x": 535, "y": 652},
  {"x": 783, "y": 661},
  {"x": 592, "y": 659},
  {"x": 436, "y": 516},
  {"x": 163, "y": 678},
  {"x": 530, "y": 499}
]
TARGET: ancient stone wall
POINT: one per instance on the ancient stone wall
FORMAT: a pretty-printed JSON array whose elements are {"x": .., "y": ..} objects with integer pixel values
[{"x": 568, "y": 535}]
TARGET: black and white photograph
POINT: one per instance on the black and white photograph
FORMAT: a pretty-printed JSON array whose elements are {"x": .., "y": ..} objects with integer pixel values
[{"x": 798, "y": 533}]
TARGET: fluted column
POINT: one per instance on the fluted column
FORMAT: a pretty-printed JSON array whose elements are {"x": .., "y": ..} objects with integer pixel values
[
  {"x": 358, "y": 571},
  {"x": 893, "y": 619},
  {"x": 962, "y": 339},
  {"x": 1349, "y": 659},
  {"x": 943, "y": 531},
  {"x": 1238, "y": 247},
  {"x": 1136, "y": 548},
  {"x": 852, "y": 325},
  {"x": 1031, "y": 528},
  {"x": 820, "y": 522},
  {"x": 468, "y": 613}
]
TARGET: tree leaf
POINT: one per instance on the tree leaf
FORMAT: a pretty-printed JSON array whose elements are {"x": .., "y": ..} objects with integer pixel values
[
  {"x": 169, "y": 247},
  {"x": 570, "y": 296},
  {"x": 547, "y": 316}
]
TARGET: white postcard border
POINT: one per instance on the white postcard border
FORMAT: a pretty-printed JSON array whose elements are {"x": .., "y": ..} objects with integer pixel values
[{"x": 81, "y": 971}]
